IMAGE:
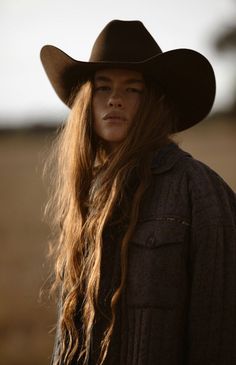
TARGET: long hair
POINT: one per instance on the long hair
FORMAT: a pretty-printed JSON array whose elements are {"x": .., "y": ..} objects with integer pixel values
[{"x": 89, "y": 187}]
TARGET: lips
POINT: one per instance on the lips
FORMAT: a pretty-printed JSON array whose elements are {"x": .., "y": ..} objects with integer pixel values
[{"x": 114, "y": 116}]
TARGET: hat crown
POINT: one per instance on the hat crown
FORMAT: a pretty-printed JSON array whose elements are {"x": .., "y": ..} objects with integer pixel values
[{"x": 124, "y": 41}]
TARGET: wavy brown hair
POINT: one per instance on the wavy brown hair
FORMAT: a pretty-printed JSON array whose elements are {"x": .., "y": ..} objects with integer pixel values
[{"x": 90, "y": 188}]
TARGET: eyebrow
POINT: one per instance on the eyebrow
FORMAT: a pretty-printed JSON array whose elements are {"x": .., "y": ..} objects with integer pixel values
[{"x": 128, "y": 81}]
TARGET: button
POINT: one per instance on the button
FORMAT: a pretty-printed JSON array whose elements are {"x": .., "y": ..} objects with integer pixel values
[{"x": 151, "y": 240}]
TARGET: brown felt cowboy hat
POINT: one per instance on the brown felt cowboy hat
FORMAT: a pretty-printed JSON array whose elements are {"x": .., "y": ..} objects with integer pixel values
[{"x": 185, "y": 75}]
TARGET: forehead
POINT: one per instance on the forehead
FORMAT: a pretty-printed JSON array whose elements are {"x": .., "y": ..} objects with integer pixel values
[{"x": 117, "y": 74}]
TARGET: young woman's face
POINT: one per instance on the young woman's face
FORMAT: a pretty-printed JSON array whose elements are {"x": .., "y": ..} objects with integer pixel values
[{"x": 116, "y": 99}]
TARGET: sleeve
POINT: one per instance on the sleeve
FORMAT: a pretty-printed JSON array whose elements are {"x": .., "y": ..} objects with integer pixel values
[{"x": 212, "y": 306}]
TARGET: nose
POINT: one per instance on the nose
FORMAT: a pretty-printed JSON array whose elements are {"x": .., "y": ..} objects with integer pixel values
[{"x": 115, "y": 100}]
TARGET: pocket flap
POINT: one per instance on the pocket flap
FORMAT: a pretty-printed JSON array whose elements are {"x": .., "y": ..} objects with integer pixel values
[{"x": 159, "y": 231}]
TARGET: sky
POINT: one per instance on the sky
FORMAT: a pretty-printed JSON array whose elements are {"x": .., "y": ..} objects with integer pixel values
[{"x": 73, "y": 25}]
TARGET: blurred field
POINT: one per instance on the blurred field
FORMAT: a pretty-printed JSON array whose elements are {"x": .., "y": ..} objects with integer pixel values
[{"x": 24, "y": 321}]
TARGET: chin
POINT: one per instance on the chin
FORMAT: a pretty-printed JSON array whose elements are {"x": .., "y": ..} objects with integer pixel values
[
  {"x": 114, "y": 143},
  {"x": 115, "y": 139}
]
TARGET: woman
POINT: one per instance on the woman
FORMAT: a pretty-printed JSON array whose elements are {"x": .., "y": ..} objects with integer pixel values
[{"x": 145, "y": 254}]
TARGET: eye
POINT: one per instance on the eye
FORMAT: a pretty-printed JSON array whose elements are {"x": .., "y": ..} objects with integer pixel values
[
  {"x": 134, "y": 90},
  {"x": 101, "y": 88}
]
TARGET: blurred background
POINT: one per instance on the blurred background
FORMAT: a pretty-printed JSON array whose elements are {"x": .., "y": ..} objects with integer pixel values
[{"x": 30, "y": 112}]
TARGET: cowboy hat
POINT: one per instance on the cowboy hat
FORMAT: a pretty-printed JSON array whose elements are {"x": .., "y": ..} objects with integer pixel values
[{"x": 185, "y": 75}]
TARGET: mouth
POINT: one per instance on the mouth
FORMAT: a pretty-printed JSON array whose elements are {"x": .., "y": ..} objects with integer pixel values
[{"x": 114, "y": 117}]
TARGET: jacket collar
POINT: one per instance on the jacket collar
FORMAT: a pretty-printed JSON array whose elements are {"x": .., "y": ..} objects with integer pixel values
[{"x": 164, "y": 159}]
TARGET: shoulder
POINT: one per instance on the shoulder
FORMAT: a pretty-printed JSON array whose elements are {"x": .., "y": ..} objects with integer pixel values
[
  {"x": 201, "y": 176},
  {"x": 207, "y": 195},
  {"x": 174, "y": 161},
  {"x": 212, "y": 199}
]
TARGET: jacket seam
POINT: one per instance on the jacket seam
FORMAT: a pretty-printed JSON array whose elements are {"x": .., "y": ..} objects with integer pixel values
[{"x": 183, "y": 221}]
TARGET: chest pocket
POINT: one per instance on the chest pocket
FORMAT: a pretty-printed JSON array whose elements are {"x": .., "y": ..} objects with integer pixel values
[{"x": 157, "y": 264}]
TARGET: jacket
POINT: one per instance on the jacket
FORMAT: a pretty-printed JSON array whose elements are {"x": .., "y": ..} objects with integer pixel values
[{"x": 179, "y": 303}]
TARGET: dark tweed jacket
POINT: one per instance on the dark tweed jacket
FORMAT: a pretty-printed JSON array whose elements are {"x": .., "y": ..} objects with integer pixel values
[{"x": 179, "y": 303}]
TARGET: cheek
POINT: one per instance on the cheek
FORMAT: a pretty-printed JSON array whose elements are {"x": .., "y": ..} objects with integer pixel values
[
  {"x": 94, "y": 108},
  {"x": 97, "y": 107},
  {"x": 134, "y": 105},
  {"x": 97, "y": 112}
]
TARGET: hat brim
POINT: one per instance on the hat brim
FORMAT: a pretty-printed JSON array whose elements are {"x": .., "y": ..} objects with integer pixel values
[{"x": 186, "y": 76}]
